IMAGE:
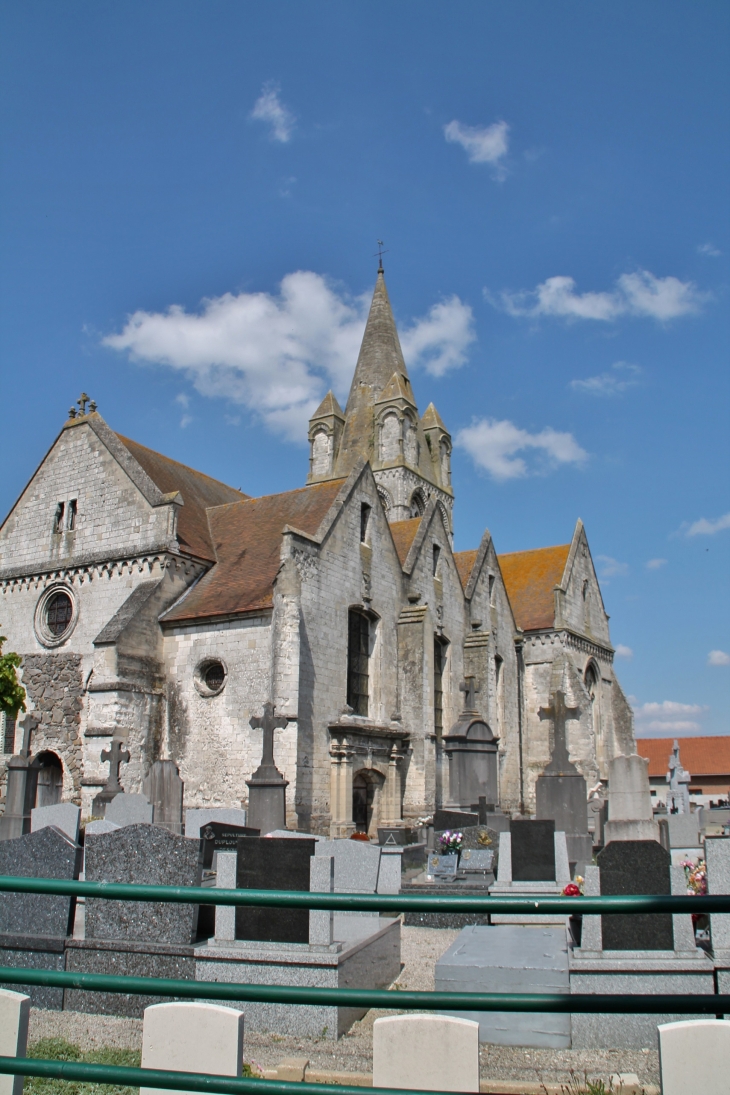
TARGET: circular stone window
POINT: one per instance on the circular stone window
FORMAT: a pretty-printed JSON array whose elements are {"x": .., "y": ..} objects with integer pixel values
[
  {"x": 55, "y": 615},
  {"x": 210, "y": 677}
]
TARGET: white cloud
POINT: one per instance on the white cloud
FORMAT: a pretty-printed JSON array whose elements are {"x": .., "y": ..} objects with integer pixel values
[
  {"x": 277, "y": 353},
  {"x": 482, "y": 144},
  {"x": 610, "y": 568},
  {"x": 709, "y": 249},
  {"x": 703, "y": 527},
  {"x": 656, "y": 564},
  {"x": 637, "y": 294},
  {"x": 269, "y": 108},
  {"x": 718, "y": 657},
  {"x": 605, "y": 384},
  {"x": 494, "y": 445},
  {"x": 624, "y": 651},
  {"x": 668, "y": 718}
]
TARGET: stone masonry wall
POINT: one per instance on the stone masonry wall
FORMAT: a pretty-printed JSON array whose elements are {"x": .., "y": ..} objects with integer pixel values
[{"x": 54, "y": 686}]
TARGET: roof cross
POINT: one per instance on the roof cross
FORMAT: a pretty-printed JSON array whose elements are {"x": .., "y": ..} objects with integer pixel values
[
  {"x": 559, "y": 714},
  {"x": 379, "y": 253},
  {"x": 116, "y": 756},
  {"x": 82, "y": 401}
]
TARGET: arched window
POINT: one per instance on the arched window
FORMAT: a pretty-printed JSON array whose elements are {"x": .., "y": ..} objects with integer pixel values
[
  {"x": 411, "y": 444},
  {"x": 445, "y": 461},
  {"x": 418, "y": 504},
  {"x": 390, "y": 438},
  {"x": 49, "y": 779},
  {"x": 321, "y": 453},
  {"x": 358, "y": 661}
]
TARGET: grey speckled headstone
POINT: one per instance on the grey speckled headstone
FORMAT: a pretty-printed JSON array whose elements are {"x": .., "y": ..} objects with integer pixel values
[
  {"x": 129, "y": 810},
  {"x": 47, "y": 853},
  {"x": 636, "y": 867},
  {"x": 477, "y": 859},
  {"x": 356, "y": 864},
  {"x": 101, "y": 825},
  {"x": 64, "y": 815},
  {"x": 196, "y": 819},
  {"x": 147, "y": 855}
]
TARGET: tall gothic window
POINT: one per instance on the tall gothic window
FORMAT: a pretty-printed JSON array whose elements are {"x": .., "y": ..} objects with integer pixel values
[
  {"x": 358, "y": 657},
  {"x": 364, "y": 522},
  {"x": 439, "y": 665},
  {"x": 58, "y": 518}
]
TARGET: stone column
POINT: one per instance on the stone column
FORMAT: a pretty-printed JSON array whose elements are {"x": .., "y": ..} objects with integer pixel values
[
  {"x": 225, "y": 915},
  {"x": 341, "y": 824},
  {"x": 16, "y": 819},
  {"x": 391, "y": 811}
]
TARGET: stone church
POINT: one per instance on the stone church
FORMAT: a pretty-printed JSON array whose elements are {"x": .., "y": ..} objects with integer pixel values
[{"x": 153, "y": 604}]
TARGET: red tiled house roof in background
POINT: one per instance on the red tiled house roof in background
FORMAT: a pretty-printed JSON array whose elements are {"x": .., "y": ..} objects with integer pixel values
[
  {"x": 530, "y": 578},
  {"x": 705, "y": 756},
  {"x": 199, "y": 492},
  {"x": 404, "y": 533},
  {"x": 247, "y": 541},
  {"x": 465, "y": 564}
]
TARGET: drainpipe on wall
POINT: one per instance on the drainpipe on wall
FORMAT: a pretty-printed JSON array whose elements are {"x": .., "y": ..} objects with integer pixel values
[{"x": 520, "y": 702}]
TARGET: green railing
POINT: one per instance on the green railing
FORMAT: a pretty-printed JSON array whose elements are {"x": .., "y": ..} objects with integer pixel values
[{"x": 715, "y": 1004}]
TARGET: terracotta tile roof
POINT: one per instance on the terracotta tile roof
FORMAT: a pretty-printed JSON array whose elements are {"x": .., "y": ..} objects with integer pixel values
[
  {"x": 199, "y": 492},
  {"x": 247, "y": 540},
  {"x": 404, "y": 533},
  {"x": 703, "y": 756},
  {"x": 530, "y": 577},
  {"x": 465, "y": 564}
]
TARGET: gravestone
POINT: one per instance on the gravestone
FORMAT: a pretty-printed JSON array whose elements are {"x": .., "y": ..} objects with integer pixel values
[
  {"x": 560, "y": 791},
  {"x": 630, "y": 812},
  {"x": 267, "y": 787},
  {"x": 635, "y": 867},
  {"x": 64, "y": 815},
  {"x": 679, "y": 780},
  {"x": 164, "y": 789},
  {"x": 217, "y": 836},
  {"x": 129, "y": 810},
  {"x": 192, "y": 1037},
  {"x": 694, "y": 1056},
  {"x": 533, "y": 850},
  {"x": 273, "y": 864},
  {"x": 33, "y": 927},
  {"x": 717, "y": 853},
  {"x": 684, "y": 830},
  {"x": 444, "y": 820},
  {"x": 145, "y": 855},
  {"x": 476, "y": 860},
  {"x": 479, "y": 836},
  {"x": 357, "y": 865},
  {"x": 442, "y": 866},
  {"x": 426, "y": 1052},
  {"x": 116, "y": 755},
  {"x": 14, "y": 1018},
  {"x": 100, "y": 826},
  {"x": 196, "y": 819}
]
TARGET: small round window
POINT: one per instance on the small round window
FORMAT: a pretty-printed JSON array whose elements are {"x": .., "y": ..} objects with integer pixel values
[
  {"x": 59, "y": 613},
  {"x": 210, "y": 677},
  {"x": 55, "y": 615}
]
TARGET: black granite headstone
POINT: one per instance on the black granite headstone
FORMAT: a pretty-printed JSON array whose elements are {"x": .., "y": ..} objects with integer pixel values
[
  {"x": 636, "y": 867},
  {"x": 533, "y": 850},
  {"x": 145, "y": 855},
  {"x": 47, "y": 853},
  {"x": 273, "y": 863},
  {"x": 218, "y": 836}
]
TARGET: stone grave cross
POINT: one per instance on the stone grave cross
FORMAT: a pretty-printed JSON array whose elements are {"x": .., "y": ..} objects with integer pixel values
[
  {"x": 267, "y": 768},
  {"x": 678, "y": 779},
  {"x": 116, "y": 755},
  {"x": 560, "y": 762},
  {"x": 469, "y": 688}
]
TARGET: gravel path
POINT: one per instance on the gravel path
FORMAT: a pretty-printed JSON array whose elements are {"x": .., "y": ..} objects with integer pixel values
[{"x": 421, "y": 948}]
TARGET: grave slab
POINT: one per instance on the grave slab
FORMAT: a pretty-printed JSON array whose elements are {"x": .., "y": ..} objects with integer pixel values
[
  {"x": 64, "y": 815},
  {"x": 717, "y": 853},
  {"x": 192, "y": 1037},
  {"x": 695, "y": 1056},
  {"x": 129, "y": 810},
  {"x": 123, "y": 959},
  {"x": 14, "y": 1016},
  {"x": 510, "y": 958},
  {"x": 426, "y": 1052}
]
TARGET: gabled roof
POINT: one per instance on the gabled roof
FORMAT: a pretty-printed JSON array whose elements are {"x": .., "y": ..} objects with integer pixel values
[
  {"x": 432, "y": 418},
  {"x": 199, "y": 493},
  {"x": 530, "y": 578},
  {"x": 702, "y": 756},
  {"x": 404, "y": 533},
  {"x": 247, "y": 540},
  {"x": 465, "y": 561},
  {"x": 328, "y": 406},
  {"x": 398, "y": 387}
]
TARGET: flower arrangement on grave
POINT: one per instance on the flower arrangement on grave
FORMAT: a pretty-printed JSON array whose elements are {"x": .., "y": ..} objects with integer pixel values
[
  {"x": 424, "y": 822},
  {"x": 696, "y": 875},
  {"x": 574, "y": 888},
  {"x": 451, "y": 842}
]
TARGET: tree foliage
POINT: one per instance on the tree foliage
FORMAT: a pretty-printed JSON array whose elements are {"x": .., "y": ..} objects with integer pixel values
[{"x": 12, "y": 693}]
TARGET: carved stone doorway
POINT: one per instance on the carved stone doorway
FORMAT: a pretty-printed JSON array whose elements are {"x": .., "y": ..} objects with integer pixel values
[
  {"x": 366, "y": 787},
  {"x": 49, "y": 779}
]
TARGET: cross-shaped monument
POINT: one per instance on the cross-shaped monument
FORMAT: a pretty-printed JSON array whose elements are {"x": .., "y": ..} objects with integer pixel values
[
  {"x": 82, "y": 401},
  {"x": 469, "y": 687},
  {"x": 560, "y": 762},
  {"x": 267, "y": 786},
  {"x": 116, "y": 756}
]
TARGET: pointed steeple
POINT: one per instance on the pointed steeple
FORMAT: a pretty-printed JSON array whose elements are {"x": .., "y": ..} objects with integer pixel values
[{"x": 380, "y": 356}]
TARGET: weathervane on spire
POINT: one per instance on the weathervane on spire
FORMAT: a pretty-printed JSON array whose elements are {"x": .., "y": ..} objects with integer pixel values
[{"x": 380, "y": 252}]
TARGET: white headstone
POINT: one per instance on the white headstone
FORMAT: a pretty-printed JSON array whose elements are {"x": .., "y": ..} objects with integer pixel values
[
  {"x": 426, "y": 1052},
  {"x": 225, "y": 915},
  {"x": 195, "y": 820},
  {"x": 190, "y": 1037},
  {"x": 694, "y": 1056},
  {"x": 64, "y": 815},
  {"x": 630, "y": 814},
  {"x": 129, "y": 810},
  {"x": 321, "y": 880},
  {"x": 14, "y": 1015}
]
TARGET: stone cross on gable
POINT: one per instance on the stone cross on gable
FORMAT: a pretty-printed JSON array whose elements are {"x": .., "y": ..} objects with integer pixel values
[
  {"x": 268, "y": 724},
  {"x": 469, "y": 687},
  {"x": 116, "y": 756},
  {"x": 559, "y": 713}
]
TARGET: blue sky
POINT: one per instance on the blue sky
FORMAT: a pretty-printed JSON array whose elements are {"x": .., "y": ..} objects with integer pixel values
[{"x": 191, "y": 194}]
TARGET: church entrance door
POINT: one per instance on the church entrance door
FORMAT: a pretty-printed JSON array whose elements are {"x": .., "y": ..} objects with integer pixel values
[
  {"x": 366, "y": 786},
  {"x": 49, "y": 782}
]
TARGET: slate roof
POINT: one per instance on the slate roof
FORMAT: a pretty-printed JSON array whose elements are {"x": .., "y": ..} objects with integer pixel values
[
  {"x": 404, "y": 533},
  {"x": 530, "y": 578},
  {"x": 465, "y": 561},
  {"x": 199, "y": 492},
  {"x": 701, "y": 756},
  {"x": 247, "y": 541}
]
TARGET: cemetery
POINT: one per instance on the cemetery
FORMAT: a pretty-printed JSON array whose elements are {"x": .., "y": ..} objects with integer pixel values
[{"x": 468, "y": 849}]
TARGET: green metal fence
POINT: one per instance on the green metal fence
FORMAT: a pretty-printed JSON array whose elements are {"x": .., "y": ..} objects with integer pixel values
[{"x": 715, "y": 1004}]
